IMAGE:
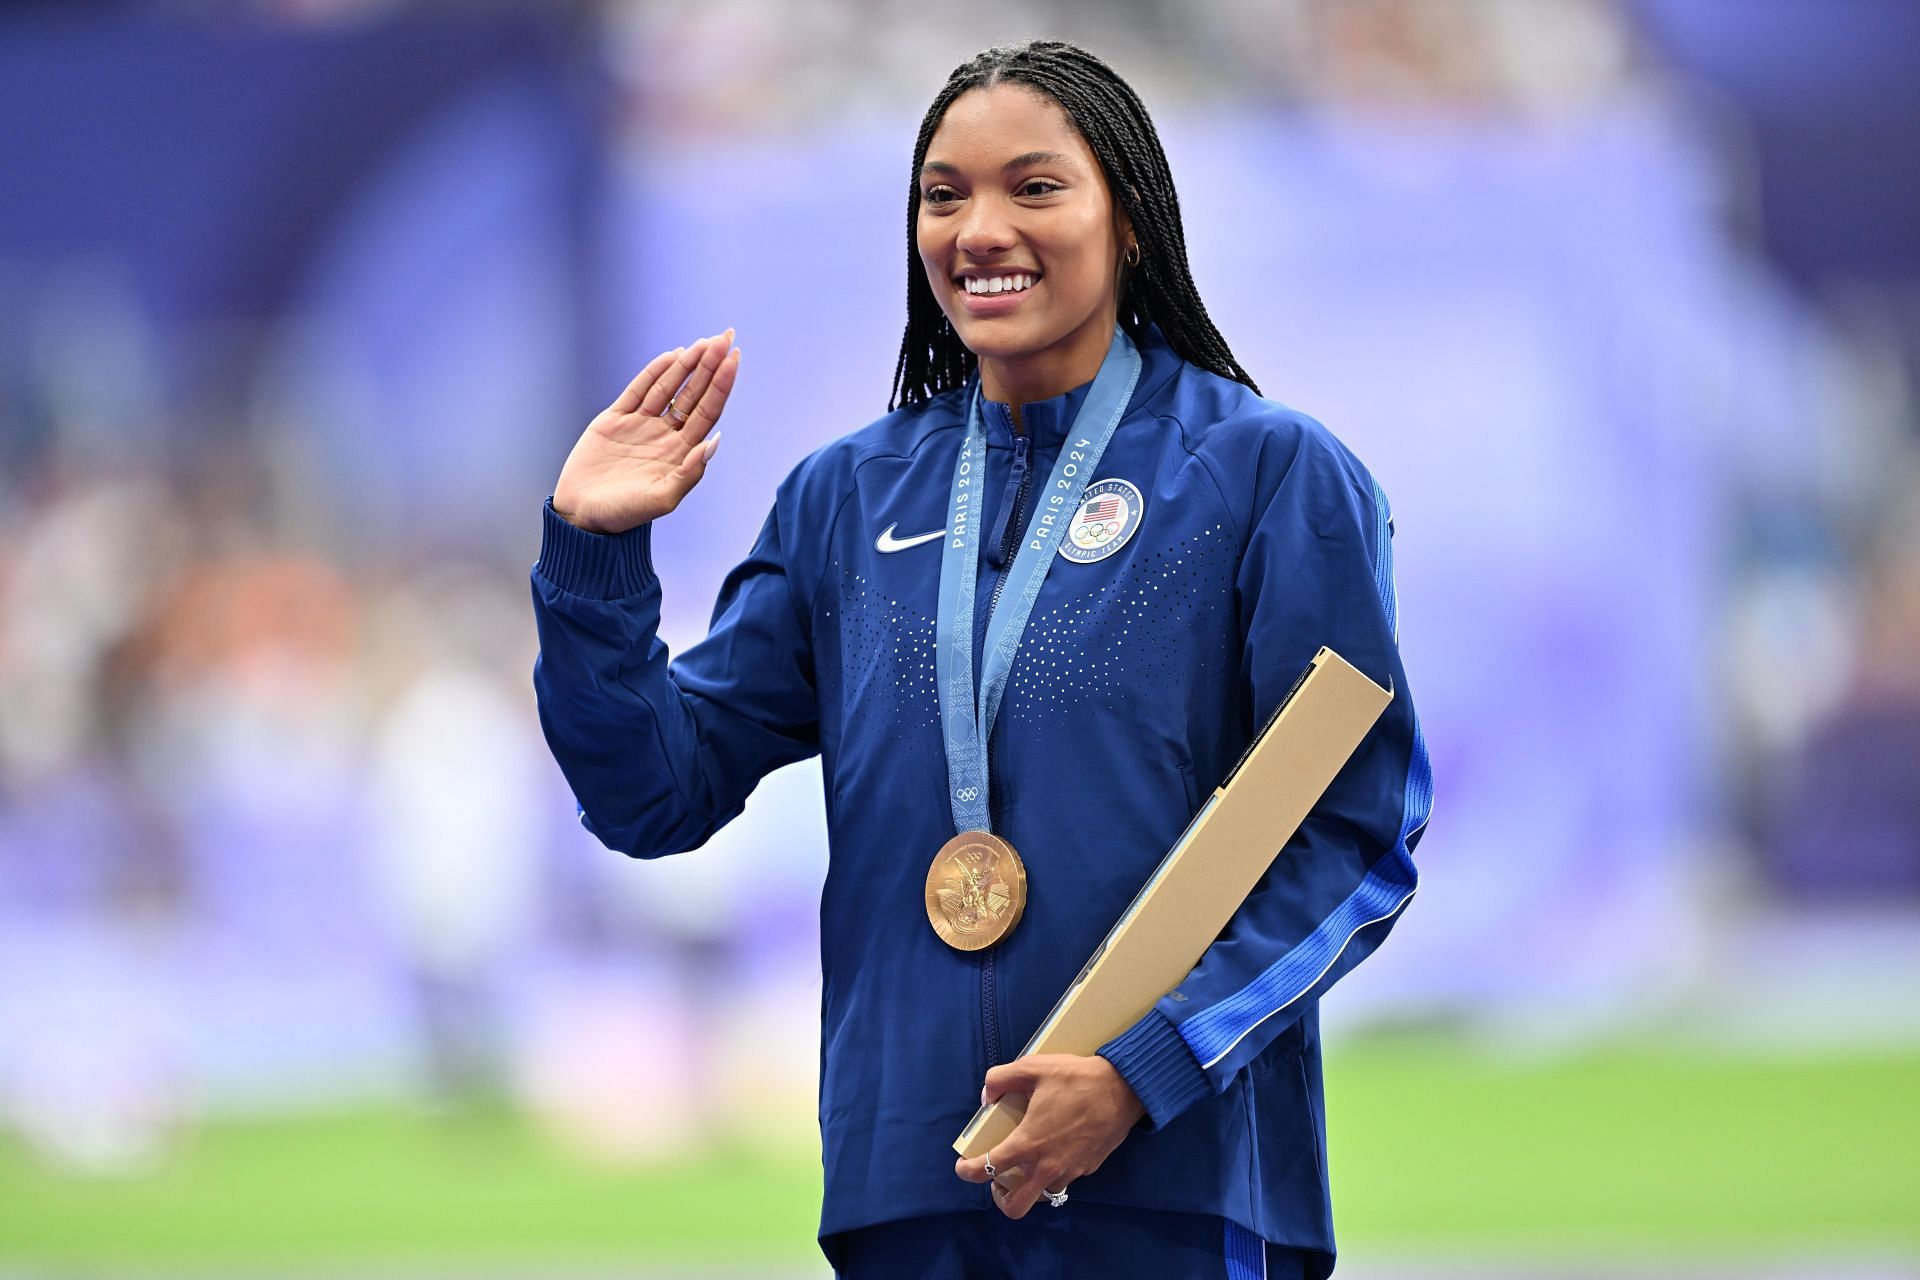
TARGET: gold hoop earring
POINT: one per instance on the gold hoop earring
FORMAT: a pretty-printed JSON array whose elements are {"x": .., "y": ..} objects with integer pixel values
[{"x": 1132, "y": 256}]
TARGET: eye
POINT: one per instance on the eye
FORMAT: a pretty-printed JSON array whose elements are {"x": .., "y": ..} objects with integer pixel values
[
  {"x": 1040, "y": 187},
  {"x": 939, "y": 195}
]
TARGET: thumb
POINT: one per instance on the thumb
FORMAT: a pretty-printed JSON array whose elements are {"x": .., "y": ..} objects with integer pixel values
[{"x": 694, "y": 465}]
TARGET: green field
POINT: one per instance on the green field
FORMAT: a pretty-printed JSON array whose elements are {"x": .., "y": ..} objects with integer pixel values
[{"x": 1437, "y": 1154}]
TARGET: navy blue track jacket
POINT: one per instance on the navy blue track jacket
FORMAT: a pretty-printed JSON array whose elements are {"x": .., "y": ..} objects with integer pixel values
[{"x": 1140, "y": 678}]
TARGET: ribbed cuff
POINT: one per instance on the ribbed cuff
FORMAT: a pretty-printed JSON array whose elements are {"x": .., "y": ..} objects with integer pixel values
[
  {"x": 599, "y": 566},
  {"x": 1162, "y": 1071}
]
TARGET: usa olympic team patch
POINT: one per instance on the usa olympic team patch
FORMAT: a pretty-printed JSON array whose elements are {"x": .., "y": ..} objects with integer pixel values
[{"x": 1110, "y": 511}]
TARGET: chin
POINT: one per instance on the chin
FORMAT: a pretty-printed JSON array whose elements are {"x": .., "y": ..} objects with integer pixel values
[{"x": 998, "y": 340}]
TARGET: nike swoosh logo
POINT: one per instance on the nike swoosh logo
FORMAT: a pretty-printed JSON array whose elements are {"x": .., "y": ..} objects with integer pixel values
[{"x": 887, "y": 542}]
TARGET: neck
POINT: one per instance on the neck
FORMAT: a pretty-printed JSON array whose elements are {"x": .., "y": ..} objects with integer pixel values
[{"x": 1053, "y": 371}]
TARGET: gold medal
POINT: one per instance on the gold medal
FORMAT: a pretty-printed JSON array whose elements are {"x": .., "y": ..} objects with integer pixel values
[{"x": 976, "y": 890}]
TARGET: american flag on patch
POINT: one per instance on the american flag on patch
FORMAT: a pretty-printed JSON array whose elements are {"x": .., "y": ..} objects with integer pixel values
[{"x": 1107, "y": 508}]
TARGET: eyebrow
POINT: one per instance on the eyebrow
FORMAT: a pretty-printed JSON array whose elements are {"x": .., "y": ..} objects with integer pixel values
[{"x": 1020, "y": 161}]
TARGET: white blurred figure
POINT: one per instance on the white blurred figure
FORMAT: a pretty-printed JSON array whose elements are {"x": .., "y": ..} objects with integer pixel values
[
  {"x": 689, "y": 1011},
  {"x": 743, "y": 911},
  {"x": 455, "y": 839}
]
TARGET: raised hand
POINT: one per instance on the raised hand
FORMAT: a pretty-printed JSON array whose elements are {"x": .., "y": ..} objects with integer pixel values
[{"x": 638, "y": 458}]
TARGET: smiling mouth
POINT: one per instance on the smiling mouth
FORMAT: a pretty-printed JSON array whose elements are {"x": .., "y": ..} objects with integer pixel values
[{"x": 982, "y": 286}]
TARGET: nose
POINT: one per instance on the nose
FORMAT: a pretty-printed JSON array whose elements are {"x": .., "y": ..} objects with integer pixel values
[{"x": 984, "y": 229}]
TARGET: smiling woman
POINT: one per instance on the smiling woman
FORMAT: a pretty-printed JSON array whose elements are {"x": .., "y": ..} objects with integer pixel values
[
  {"x": 1006, "y": 170},
  {"x": 1072, "y": 433},
  {"x": 1024, "y": 250}
]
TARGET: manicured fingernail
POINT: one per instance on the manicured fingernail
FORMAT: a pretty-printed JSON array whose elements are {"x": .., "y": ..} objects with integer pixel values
[
  {"x": 983, "y": 1095},
  {"x": 713, "y": 443}
]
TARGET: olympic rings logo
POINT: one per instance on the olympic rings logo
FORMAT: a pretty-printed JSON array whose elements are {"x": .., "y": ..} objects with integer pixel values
[
  {"x": 967, "y": 794},
  {"x": 1096, "y": 533}
]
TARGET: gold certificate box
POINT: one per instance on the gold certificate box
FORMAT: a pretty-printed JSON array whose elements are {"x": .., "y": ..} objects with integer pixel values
[{"x": 1207, "y": 874}]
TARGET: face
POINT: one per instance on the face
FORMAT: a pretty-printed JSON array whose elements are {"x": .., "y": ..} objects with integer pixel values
[{"x": 1020, "y": 240}]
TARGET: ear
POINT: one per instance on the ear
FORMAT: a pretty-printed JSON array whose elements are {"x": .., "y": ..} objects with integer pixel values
[{"x": 1124, "y": 237}]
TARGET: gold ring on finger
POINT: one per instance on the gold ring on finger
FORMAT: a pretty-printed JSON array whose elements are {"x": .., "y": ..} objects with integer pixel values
[{"x": 678, "y": 415}]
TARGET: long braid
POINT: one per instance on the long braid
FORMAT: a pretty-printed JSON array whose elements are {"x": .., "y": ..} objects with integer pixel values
[{"x": 1117, "y": 128}]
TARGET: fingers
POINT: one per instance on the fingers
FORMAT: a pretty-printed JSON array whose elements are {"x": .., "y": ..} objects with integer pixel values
[
  {"x": 629, "y": 400},
  {"x": 1014, "y": 1190},
  {"x": 1021, "y": 1178},
  {"x": 706, "y": 402},
  {"x": 1009, "y": 1077},
  {"x": 717, "y": 349},
  {"x": 690, "y": 386},
  {"x": 1011, "y": 1161},
  {"x": 1003, "y": 1159},
  {"x": 975, "y": 1168},
  {"x": 654, "y": 402},
  {"x": 1017, "y": 1199}
]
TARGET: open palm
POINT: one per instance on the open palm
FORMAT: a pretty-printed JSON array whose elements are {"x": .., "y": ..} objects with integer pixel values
[{"x": 636, "y": 460}]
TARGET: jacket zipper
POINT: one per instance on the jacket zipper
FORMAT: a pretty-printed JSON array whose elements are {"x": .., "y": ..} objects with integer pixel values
[
  {"x": 1022, "y": 444},
  {"x": 1010, "y": 530}
]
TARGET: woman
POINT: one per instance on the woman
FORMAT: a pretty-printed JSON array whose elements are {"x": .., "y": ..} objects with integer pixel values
[{"x": 1028, "y": 618}]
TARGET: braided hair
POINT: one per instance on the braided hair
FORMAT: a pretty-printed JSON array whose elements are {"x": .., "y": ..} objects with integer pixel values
[{"x": 1114, "y": 122}]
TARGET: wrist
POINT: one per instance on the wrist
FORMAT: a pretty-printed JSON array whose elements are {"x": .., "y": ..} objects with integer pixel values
[
  {"x": 594, "y": 524},
  {"x": 563, "y": 507}
]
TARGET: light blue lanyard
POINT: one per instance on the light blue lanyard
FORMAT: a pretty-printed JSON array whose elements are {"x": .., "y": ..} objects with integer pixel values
[{"x": 967, "y": 723}]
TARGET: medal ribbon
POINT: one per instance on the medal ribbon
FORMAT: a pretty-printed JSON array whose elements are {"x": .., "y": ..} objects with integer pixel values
[{"x": 966, "y": 718}]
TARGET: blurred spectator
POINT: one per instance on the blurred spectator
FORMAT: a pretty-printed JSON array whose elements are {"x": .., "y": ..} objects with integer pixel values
[
  {"x": 455, "y": 840},
  {"x": 1843, "y": 821}
]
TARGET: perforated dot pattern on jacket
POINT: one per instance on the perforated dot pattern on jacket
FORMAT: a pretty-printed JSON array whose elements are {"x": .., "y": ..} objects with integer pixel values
[
  {"x": 886, "y": 660},
  {"x": 1163, "y": 619}
]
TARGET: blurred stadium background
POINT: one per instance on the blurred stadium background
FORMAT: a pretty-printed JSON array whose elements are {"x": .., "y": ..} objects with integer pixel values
[{"x": 306, "y": 966}]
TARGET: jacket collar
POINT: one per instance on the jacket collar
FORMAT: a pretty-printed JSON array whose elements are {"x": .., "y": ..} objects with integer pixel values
[{"x": 1048, "y": 421}]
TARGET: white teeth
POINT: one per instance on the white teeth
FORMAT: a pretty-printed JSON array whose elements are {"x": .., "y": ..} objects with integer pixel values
[{"x": 999, "y": 284}]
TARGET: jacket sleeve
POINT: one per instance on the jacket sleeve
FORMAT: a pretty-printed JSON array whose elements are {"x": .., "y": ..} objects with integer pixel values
[
  {"x": 1318, "y": 570},
  {"x": 662, "y": 753}
]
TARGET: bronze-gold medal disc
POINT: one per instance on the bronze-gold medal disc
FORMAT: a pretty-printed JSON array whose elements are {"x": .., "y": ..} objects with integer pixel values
[{"x": 976, "y": 890}]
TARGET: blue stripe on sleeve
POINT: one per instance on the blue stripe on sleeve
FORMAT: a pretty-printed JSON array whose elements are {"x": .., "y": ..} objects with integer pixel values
[
  {"x": 1213, "y": 1032},
  {"x": 1246, "y": 1253}
]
